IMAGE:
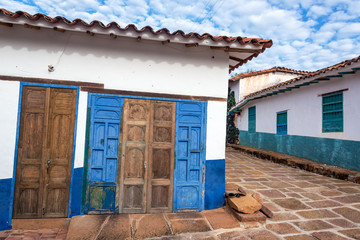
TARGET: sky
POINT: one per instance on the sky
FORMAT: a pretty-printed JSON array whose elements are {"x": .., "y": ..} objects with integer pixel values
[{"x": 307, "y": 34}]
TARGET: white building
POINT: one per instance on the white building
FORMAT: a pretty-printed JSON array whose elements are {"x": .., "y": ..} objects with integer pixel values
[
  {"x": 100, "y": 119},
  {"x": 314, "y": 116}
]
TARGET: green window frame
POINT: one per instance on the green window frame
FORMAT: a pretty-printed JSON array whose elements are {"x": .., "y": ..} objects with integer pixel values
[
  {"x": 281, "y": 123},
  {"x": 252, "y": 119},
  {"x": 332, "y": 112}
]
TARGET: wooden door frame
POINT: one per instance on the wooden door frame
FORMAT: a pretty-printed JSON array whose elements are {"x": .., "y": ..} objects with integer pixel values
[{"x": 22, "y": 84}]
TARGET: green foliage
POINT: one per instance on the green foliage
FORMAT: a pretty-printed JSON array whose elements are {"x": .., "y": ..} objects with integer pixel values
[{"x": 232, "y": 133}]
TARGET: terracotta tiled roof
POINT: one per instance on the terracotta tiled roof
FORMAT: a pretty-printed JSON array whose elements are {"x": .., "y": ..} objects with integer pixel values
[
  {"x": 264, "y": 43},
  {"x": 273, "y": 69},
  {"x": 309, "y": 75}
]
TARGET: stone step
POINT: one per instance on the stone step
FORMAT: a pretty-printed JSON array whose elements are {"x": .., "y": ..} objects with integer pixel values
[{"x": 35, "y": 224}]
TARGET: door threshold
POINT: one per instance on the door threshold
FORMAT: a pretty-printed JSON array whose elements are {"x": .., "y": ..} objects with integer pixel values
[{"x": 39, "y": 223}]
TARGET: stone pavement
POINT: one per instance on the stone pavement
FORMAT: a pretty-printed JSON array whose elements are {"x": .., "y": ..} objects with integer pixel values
[{"x": 305, "y": 205}]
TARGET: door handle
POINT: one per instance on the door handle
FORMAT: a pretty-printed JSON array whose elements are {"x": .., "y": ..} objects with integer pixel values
[{"x": 48, "y": 165}]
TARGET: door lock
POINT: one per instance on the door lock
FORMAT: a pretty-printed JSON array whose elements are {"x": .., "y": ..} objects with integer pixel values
[{"x": 48, "y": 165}]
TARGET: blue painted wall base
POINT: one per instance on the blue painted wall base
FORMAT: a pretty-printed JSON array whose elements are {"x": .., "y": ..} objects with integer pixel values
[
  {"x": 5, "y": 202},
  {"x": 214, "y": 184},
  {"x": 337, "y": 152},
  {"x": 77, "y": 181}
]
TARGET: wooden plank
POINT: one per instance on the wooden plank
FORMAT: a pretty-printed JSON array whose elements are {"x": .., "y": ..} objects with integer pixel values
[
  {"x": 29, "y": 182},
  {"x": 191, "y": 45},
  {"x": 52, "y": 81},
  {"x": 134, "y": 160},
  {"x": 161, "y": 156},
  {"x": 236, "y": 59},
  {"x": 328, "y": 93},
  {"x": 150, "y": 94},
  {"x": 244, "y": 50},
  {"x": 59, "y": 151}
]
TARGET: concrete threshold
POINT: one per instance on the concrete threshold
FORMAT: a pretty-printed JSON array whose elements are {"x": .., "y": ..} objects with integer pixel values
[{"x": 301, "y": 163}]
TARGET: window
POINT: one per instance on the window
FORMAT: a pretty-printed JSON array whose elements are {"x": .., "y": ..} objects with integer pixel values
[
  {"x": 281, "y": 123},
  {"x": 252, "y": 119},
  {"x": 332, "y": 112}
]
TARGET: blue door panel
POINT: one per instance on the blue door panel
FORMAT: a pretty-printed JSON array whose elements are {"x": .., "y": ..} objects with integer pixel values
[
  {"x": 103, "y": 152},
  {"x": 190, "y": 156}
]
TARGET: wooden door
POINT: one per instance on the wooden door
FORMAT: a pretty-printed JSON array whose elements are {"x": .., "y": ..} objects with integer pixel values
[
  {"x": 190, "y": 156},
  {"x": 103, "y": 153},
  {"x": 161, "y": 157},
  {"x": 147, "y": 156},
  {"x": 45, "y": 152}
]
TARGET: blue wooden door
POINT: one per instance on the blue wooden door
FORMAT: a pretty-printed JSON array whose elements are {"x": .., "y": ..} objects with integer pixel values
[
  {"x": 103, "y": 153},
  {"x": 190, "y": 156}
]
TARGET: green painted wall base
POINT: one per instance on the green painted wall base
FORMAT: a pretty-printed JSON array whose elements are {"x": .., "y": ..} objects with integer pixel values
[{"x": 337, "y": 152}]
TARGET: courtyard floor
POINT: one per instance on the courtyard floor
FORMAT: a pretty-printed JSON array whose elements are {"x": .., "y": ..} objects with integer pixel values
[{"x": 305, "y": 206}]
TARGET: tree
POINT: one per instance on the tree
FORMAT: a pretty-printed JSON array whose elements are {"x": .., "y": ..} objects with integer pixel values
[{"x": 232, "y": 133}]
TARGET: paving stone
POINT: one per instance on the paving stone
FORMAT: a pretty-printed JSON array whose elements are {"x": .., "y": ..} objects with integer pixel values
[
  {"x": 348, "y": 199},
  {"x": 277, "y": 184},
  {"x": 294, "y": 195},
  {"x": 189, "y": 225},
  {"x": 299, "y": 237},
  {"x": 186, "y": 215},
  {"x": 281, "y": 228},
  {"x": 272, "y": 193},
  {"x": 304, "y": 184},
  {"x": 353, "y": 233},
  {"x": 118, "y": 227},
  {"x": 262, "y": 235},
  {"x": 350, "y": 190},
  {"x": 231, "y": 235},
  {"x": 291, "y": 203},
  {"x": 283, "y": 217},
  {"x": 341, "y": 223},
  {"x": 312, "y": 196},
  {"x": 221, "y": 218},
  {"x": 313, "y": 225},
  {"x": 349, "y": 213},
  {"x": 151, "y": 225},
  {"x": 356, "y": 206},
  {"x": 312, "y": 214},
  {"x": 328, "y": 236},
  {"x": 323, "y": 204},
  {"x": 85, "y": 226}
]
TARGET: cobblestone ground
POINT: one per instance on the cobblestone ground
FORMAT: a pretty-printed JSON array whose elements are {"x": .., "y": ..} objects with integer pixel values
[{"x": 305, "y": 205}]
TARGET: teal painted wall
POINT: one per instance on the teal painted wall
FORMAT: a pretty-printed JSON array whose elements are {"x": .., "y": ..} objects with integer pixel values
[{"x": 342, "y": 153}]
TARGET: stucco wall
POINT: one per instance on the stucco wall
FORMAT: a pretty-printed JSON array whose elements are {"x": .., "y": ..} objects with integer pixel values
[
  {"x": 122, "y": 63},
  {"x": 9, "y": 100},
  {"x": 305, "y": 109}
]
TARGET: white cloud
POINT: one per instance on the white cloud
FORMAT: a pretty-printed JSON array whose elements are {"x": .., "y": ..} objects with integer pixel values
[{"x": 307, "y": 34}]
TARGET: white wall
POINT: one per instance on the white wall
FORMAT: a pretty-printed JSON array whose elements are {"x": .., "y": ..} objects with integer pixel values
[
  {"x": 9, "y": 101},
  {"x": 121, "y": 63},
  {"x": 305, "y": 109},
  {"x": 216, "y": 130},
  {"x": 81, "y": 130}
]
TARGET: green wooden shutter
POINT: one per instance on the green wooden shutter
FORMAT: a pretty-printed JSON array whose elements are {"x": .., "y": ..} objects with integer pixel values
[
  {"x": 252, "y": 119},
  {"x": 281, "y": 123},
  {"x": 332, "y": 112}
]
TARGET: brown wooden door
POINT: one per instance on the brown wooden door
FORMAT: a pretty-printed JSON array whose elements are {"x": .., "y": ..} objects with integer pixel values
[
  {"x": 161, "y": 157},
  {"x": 146, "y": 174},
  {"x": 44, "y": 152}
]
